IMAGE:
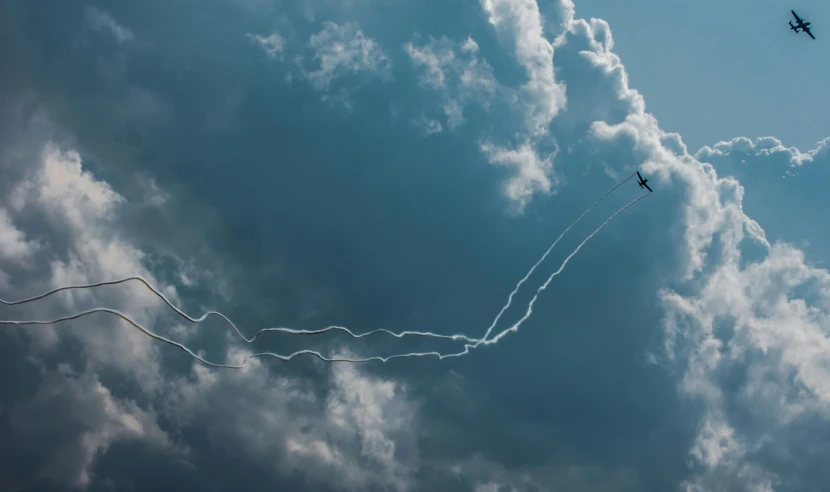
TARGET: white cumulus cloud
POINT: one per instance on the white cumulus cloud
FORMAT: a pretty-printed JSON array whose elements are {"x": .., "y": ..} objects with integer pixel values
[
  {"x": 520, "y": 22},
  {"x": 752, "y": 337},
  {"x": 532, "y": 171},
  {"x": 14, "y": 246}
]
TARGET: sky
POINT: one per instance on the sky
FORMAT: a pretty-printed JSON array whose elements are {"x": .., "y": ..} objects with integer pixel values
[
  {"x": 709, "y": 69},
  {"x": 378, "y": 165}
]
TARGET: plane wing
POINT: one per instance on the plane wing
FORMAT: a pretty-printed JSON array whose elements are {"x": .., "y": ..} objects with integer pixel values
[
  {"x": 807, "y": 30},
  {"x": 797, "y": 18},
  {"x": 638, "y": 175},
  {"x": 649, "y": 189}
]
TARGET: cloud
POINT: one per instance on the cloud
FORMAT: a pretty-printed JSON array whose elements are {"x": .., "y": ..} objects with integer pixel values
[
  {"x": 358, "y": 435},
  {"x": 542, "y": 97},
  {"x": 605, "y": 94},
  {"x": 429, "y": 126},
  {"x": 751, "y": 338},
  {"x": 13, "y": 243},
  {"x": 272, "y": 45},
  {"x": 532, "y": 172},
  {"x": 765, "y": 146},
  {"x": 101, "y": 20},
  {"x": 456, "y": 72},
  {"x": 762, "y": 362},
  {"x": 487, "y": 475},
  {"x": 70, "y": 193},
  {"x": 783, "y": 187},
  {"x": 521, "y": 23},
  {"x": 344, "y": 49},
  {"x": 81, "y": 214},
  {"x": 494, "y": 487},
  {"x": 72, "y": 419}
]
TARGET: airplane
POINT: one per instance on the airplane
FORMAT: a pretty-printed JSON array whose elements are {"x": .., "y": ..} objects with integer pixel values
[
  {"x": 800, "y": 24},
  {"x": 642, "y": 182}
]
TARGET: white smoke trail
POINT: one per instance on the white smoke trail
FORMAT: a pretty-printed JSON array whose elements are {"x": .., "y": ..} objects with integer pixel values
[
  {"x": 544, "y": 286},
  {"x": 516, "y": 326},
  {"x": 201, "y": 318},
  {"x": 189, "y": 352},
  {"x": 292, "y": 331},
  {"x": 286, "y": 358},
  {"x": 533, "y": 268}
]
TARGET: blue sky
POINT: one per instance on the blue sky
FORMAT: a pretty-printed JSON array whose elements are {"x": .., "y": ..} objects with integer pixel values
[
  {"x": 710, "y": 69},
  {"x": 376, "y": 165}
]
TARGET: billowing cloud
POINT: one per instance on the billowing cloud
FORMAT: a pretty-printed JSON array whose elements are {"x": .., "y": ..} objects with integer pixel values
[
  {"x": 56, "y": 435},
  {"x": 13, "y": 243},
  {"x": 765, "y": 146},
  {"x": 356, "y": 436},
  {"x": 82, "y": 214},
  {"x": 752, "y": 338},
  {"x": 783, "y": 187},
  {"x": 532, "y": 172},
  {"x": 520, "y": 22}
]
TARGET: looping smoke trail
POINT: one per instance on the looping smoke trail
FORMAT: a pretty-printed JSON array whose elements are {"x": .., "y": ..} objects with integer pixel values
[
  {"x": 201, "y": 318},
  {"x": 533, "y": 268}
]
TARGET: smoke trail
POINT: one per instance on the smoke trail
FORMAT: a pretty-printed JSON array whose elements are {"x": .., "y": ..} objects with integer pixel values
[
  {"x": 515, "y": 327},
  {"x": 201, "y": 318},
  {"x": 292, "y": 331},
  {"x": 286, "y": 358},
  {"x": 155, "y": 336},
  {"x": 544, "y": 286},
  {"x": 533, "y": 268}
]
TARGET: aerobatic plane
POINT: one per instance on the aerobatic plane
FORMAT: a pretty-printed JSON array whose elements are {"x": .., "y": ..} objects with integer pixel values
[
  {"x": 800, "y": 24},
  {"x": 642, "y": 182}
]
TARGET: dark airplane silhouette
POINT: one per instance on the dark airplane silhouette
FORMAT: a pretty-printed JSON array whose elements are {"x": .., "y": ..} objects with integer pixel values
[
  {"x": 800, "y": 24},
  {"x": 642, "y": 182}
]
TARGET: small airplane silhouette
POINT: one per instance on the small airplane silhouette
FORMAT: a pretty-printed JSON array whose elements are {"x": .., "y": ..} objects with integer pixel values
[
  {"x": 642, "y": 182},
  {"x": 800, "y": 24}
]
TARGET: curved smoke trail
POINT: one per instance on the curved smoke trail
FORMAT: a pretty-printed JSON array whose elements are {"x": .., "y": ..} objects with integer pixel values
[
  {"x": 544, "y": 286},
  {"x": 201, "y": 318},
  {"x": 292, "y": 331},
  {"x": 189, "y": 352},
  {"x": 533, "y": 268},
  {"x": 286, "y": 358}
]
